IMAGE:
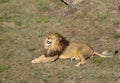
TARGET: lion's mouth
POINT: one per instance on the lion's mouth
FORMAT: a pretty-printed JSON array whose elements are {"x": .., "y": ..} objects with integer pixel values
[{"x": 49, "y": 41}]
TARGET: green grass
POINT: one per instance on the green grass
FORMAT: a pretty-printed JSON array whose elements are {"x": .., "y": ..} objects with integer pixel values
[
  {"x": 4, "y": 1},
  {"x": 31, "y": 49},
  {"x": 23, "y": 81},
  {"x": 5, "y": 18},
  {"x": 116, "y": 77},
  {"x": 2, "y": 40},
  {"x": 115, "y": 63},
  {"x": 8, "y": 35},
  {"x": 8, "y": 54},
  {"x": 4, "y": 68},
  {"x": 103, "y": 15},
  {"x": 43, "y": 5},
  {"x": 45, "y": 80},
  {"x": 116, "y": 35},
  {"x": 44, "y": 19},
  {"x": 97, "y": 60},
  {"x": 35, "y": 74},
  {"x": 1, "y": 81},
  {"x": 3, "y": 30},
  {"x": 18, "y": 22},
  {"x": 3, "y": 37}
]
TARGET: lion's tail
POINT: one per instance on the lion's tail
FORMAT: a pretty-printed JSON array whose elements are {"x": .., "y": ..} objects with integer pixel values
[{"x": 98, "y": 54}]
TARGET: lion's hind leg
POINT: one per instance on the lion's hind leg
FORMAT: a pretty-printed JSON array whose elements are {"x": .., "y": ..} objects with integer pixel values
[
  {"x": 43, "y": 59},
  {"x": 82, "y": 61}
]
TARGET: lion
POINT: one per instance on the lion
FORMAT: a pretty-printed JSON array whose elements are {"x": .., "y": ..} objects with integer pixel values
[{"x": 57, "y": 47}]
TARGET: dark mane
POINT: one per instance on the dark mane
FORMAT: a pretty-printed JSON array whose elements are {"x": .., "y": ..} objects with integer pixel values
[{"x": 64, "y": 43}]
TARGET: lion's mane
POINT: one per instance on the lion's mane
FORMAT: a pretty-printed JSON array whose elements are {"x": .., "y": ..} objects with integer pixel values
[{"x": 58, "y": 44}]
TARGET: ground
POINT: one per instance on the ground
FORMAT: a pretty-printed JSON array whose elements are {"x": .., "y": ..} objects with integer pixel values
[{"x": 24, "y": 24}]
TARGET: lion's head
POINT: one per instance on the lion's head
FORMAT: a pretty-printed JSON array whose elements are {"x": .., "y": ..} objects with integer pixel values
[{"x": 54, "y": 44}]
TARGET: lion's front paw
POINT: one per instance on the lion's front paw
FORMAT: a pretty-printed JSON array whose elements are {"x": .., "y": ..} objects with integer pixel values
[
  {"x": 35, "y": 61},
  {"x": 78, "y": 64}
]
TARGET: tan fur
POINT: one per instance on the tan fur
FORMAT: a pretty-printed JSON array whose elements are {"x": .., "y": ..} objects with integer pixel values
[
  {"x": 56, "y": 44},
  {"x": 43, "y": 59},
  {"x": 62, "y": 49}
]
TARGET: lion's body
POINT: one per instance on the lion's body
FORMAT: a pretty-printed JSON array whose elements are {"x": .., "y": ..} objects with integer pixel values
[
  {"x": 76, "y": 50},
  {"x": 57, "y": 46}
]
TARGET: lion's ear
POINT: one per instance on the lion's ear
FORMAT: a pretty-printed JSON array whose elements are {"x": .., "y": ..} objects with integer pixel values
[{"x": 60, "y": 38}]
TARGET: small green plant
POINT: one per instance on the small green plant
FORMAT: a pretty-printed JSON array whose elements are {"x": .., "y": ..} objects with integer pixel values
[
  {"x": 31, "y": 49},
  {"x": 116, "y": 35},
  {"x": 97, "y": 60},
  {"x": 1, "y": 81},
  {"x": 103, "y": 15},
  {"x": 18, "y": 22},
  {"x": 4, "y": 68},
  {"x": 44, "y": 19},
  {"x": 5, "y": 18},
  {"x": 4, "y": 1}
]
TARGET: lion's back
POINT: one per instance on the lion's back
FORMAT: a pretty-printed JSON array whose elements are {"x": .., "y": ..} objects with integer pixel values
[{"x": 77, "y": 49}]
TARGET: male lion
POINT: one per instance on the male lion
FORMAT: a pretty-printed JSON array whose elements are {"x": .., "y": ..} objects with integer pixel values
[{"x": 56, "y": 46}]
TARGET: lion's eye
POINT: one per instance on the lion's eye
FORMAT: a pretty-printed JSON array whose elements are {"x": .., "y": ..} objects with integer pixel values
[{"x": 48, "y": 38}]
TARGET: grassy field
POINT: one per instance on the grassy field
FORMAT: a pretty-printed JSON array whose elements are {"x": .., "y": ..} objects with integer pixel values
[{"x": 24, "y": 24}]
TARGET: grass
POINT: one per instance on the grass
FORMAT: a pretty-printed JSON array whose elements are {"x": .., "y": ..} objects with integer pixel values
[
  {"x": 44, "y": 19},
  {"x": 5, "y": 18},
  {"x": 23, "y": 81},
  {"x": 35, "y": 74},
  {"x": 1, "y": 81},
  {"x": 115, "y": 63},
  {"x": 3, "y": 37},
  {"x": 43, "y": 5},
  {"x": 18, "y": 22},
  {"x": 2, "y": 40},
  {"x": 3, "y": 30},
  {"x": 45, "y": 80},
  {"x": 103, "y": 15},
  {"x": 31, "y": 49},
  {"x": 4, "y": 1},
  {"x": 116, "y": 35},
  {"x": 8, "y": 54},
  {"x": 116, "y": 77},
  {"x": 8, "y": 35},
  {"x": 97, "y": 60},
  {"x": 4, "y": 68}
]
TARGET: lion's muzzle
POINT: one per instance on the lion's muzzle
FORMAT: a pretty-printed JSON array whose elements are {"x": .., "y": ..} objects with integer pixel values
[{"x": 49, "y": 41}]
